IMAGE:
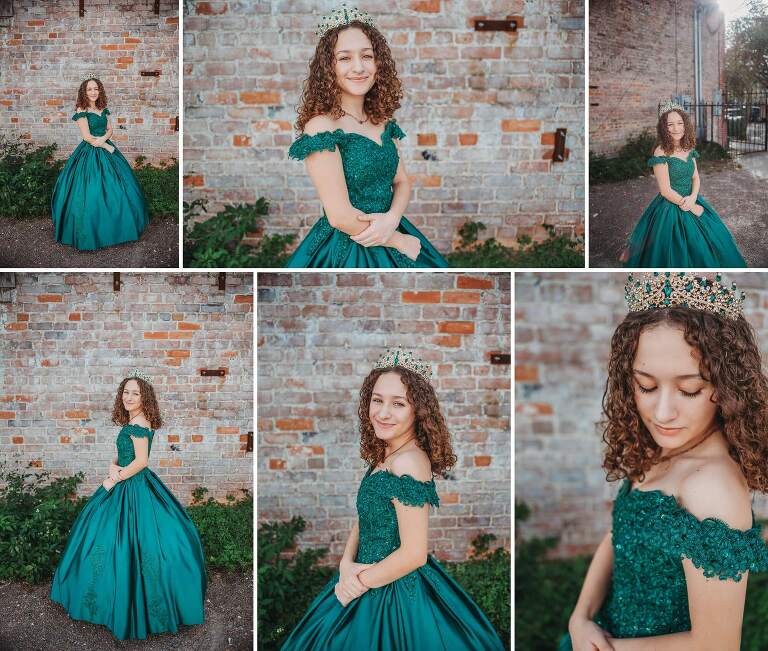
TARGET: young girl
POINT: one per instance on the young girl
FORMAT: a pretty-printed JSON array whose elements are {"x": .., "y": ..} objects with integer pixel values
[
  {"x": 97, "y": 200},
  {"x": 679, "y": 228},
  {"x": 351, "y": 155},
  {"x": 390, "y": 594},
  {"x": 133, "y": 561},
  {"x": 686, "y": 428}
]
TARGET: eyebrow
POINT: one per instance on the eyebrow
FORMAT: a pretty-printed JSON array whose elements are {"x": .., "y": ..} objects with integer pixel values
[
  {"x": 362, "y": 50},
  {"x": 690, "y": 376},
  {"x": 381, "y": 396}
]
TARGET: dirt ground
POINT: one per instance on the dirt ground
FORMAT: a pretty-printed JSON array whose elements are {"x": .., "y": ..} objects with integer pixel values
[
  {"x": 29, "y": 621},
  {"x": 30, "y": 243},
  {"x": 739, "y": 197}
]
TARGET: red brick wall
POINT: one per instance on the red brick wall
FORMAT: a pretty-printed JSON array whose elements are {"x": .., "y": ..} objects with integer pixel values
[
  {"x": 484, "y": 105},
  {"x": 68, "y": 339},
  {"x": 46, "y": 49},
  {"x": 563, "y": 328},
  {"x": 641, "y": 52},
  {"x": 318, "y": 337}
]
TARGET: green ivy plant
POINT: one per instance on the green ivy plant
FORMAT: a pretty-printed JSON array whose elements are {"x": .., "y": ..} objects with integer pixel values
[
  {"x": 226, "y": 530},
  {"x": 554, "y": 252},
  {"x": 160, "y": 184},
  {"x": 27, "y": 177},
  {"x": 36, "y": 515},
  {"x": 217, "y": 241}
]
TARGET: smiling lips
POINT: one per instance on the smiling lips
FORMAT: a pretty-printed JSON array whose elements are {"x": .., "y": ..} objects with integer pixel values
[
  {"x": 358, "y": 79},
  {"x": 385, "y": 425}
]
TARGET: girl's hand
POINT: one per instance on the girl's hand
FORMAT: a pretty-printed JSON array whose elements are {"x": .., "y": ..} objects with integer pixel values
[
  {"x": 108, "y": 484},
  {"x": 687, "y": 203},
  {"x": 380, "y": 229},
  {"x": 349, "y": 587},
  {"x": 113, "y": 470},
  {"x": 410, "y": 245},
  {"x": 344, "y": 599},
  {"x": 588, "y": 636},
  {"x": 697, "y": 210},
  {"x": 109, "y": 148}
]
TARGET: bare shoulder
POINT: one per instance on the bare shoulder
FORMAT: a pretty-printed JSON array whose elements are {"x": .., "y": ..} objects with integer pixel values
[
  {"x": 717, "y": 489},
  {"x": 318, "y": 124},
  {"x": 414, "y": 463},
  {"x": 658, "y": 151},
  {"x": 143, "y": 422}
]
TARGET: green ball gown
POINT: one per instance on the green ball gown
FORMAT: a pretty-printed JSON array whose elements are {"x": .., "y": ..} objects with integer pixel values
[
  {"x": 133, "y": 561},
  {"x": 425, "y": 610},
  {"x": 369, "y": 168},
  {"x": 97, "y": 201},
  {"x": 667, "y": 236},
  {"x": 652, "y": 533}
]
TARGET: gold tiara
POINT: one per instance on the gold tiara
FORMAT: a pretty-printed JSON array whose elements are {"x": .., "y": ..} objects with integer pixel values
[
  {"x": 405, "y": 358},
  {"x": 139, "y": 375},
  {"x": 659, "y": 290},
  {"x": 342, "y": 16}
]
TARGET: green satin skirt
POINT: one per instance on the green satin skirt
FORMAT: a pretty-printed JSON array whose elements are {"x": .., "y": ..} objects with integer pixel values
[
  {"x": 326, "y": 246},
  {"x": 668, "y": 237},
  {"x": 133, "y": 561},
  {"x": 425, "y": 610},
  {"x": 97, "y": 201}
]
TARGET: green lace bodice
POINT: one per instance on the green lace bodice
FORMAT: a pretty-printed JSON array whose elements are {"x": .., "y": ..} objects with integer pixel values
[
  {"x": 680, "y": 171},
  {"x": 377, "y": 519},
  {"x": 97, "y": 124},
  {"x": 369, "y": 167},
  {"x": 125, "y": 451},
  {"x": 652, "y": 533}
]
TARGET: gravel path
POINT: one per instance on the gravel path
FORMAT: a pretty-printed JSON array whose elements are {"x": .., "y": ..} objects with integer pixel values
[
  {"x": 30, "y": 243},
  {"x": 29, "y": 621},
  {"x": 739, "y": 197}
]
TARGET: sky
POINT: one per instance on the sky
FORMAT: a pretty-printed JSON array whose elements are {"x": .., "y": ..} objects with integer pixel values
[{"x": 733, "y": 8}]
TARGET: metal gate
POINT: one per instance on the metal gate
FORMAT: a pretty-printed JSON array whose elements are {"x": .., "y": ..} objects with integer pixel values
[{"x": 746, "y": 123}]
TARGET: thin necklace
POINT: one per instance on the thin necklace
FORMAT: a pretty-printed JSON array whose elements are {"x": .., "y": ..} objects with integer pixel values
[
  {"x": 393, "y": 451},
  {"x": 356, "y": 119}
]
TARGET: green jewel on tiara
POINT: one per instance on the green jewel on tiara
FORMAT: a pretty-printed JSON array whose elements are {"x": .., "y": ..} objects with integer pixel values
[
  {"x": 400, "y": 357},
  {"x": 668, "y": 105},
  {"x": 682, "y": 289},
  {"x": 139, "y": 374},
  {"x": 342, "y": 16}
]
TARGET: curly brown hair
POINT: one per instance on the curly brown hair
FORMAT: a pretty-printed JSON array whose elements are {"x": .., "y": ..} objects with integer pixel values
[
  {"x": 728, "y": 358},
  {"x": 321, "y": 93},
  {"x": 664, "y": 139},
  {"x": 432, "y": 435},
  {"x": 82, "y": 99},
  {"x": 149, "y": 405}
]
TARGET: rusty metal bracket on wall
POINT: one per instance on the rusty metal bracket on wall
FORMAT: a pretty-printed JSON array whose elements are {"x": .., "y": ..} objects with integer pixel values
[
  {"x": 222, "y": 281},
  {"x": 213, "y": 372},
  {"x": 116, "y": 282},
  {"x": 249, "y": 443},
  {"x": 82, "y": 8},
  {"x": 157, "y": 7},
  {"x": 149, "y": 73},
  {"x": 501, "y": 358},
  {"x": 559, "y": 155},
  {"x": 510, "y": 24},
  {"x": 6, "y": 8}
]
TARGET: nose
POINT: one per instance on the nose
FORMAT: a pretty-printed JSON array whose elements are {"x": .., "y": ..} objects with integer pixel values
[
  {"x": 383, "y": 412},
  {"x": 665, "y": 410}
]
